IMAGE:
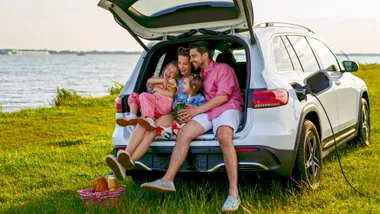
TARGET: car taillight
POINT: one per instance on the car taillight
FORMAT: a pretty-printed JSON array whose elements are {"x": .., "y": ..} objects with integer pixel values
[
  {"x": 118, "y": 105},
  {"x": 268, "y": 99},
  {"x": 247, "y": 150}
]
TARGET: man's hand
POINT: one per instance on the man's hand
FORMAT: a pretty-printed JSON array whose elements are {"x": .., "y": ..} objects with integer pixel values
[
  {"x": 187, "y": 114},
  {"x": 190, "y": 106},
  {"x": 176, "y": 104}
]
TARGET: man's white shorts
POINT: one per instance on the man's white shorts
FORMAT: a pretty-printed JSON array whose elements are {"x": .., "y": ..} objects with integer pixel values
[{"x": 231, "y": 118}]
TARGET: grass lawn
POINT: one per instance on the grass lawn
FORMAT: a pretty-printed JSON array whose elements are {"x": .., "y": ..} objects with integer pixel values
[{"x": 47, "y": 154}]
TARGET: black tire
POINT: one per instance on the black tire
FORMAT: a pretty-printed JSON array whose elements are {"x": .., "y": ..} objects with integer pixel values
[
  {"x": 364, "y": 132},
  {"x": 308, "y": 165}
]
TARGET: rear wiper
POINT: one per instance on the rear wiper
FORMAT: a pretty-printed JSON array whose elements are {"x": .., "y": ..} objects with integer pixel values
[
  {"x": 187, "y": 34},
  {"x": 210, "y": 32}
]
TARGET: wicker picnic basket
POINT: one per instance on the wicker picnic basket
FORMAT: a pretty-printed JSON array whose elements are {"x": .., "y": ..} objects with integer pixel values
[{"x": 107, "y": 199}]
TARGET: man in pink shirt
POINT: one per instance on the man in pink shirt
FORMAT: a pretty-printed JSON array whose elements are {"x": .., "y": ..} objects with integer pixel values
[{"x": 221, "y": 112}]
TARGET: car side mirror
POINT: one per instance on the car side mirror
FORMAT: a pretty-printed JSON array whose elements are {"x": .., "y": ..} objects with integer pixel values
[{"x": 350, "y": 66}]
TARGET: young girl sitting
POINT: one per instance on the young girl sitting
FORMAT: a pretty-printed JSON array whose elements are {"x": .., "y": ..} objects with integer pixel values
[
  {"x": 155, "y": 104},
  {"x": 192, "y": 97}
]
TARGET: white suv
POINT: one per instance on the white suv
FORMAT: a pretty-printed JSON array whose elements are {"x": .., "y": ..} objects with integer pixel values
[{"x": 283, "y": 130}]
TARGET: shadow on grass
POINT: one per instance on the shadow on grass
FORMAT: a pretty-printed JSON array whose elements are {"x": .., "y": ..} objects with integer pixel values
[
  {"x": 212, "y": 190},
  {"x": 68, "y": 142},
  {"x": 66, "y": 201},
  {"x": 344, "y": 150},
  {"x": 193, "y": 196},
  {"x": 56, "y": 202}
]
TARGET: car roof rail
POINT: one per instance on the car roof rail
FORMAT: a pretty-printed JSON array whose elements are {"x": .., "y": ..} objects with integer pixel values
[{"x": 273, "y": 23}]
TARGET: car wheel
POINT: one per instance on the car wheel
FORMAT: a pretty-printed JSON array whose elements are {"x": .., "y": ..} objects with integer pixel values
[
  {"x": 308, "y": 165},
  {"x": 364, "y": 124}
]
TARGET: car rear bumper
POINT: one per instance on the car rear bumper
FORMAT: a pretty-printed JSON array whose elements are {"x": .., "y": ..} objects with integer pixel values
[{"x": 210, "y": 160}]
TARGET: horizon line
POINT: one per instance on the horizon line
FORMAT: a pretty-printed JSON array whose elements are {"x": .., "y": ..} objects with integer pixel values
[{"x": 136, "y": 51}]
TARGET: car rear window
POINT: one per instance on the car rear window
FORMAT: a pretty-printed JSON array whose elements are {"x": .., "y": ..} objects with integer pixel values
[
  {"x": 304, "y": 53},
  {"x": 281, "y": 55},
  {"x": 292, "y": 54}
]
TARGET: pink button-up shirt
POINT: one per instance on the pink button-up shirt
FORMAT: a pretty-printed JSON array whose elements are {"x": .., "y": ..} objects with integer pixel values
[{"x": 220, "y": 79}]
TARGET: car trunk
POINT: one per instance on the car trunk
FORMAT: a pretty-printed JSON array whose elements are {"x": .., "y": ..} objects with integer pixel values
[
  {"x": 166, "y": 19},
  {"x": 162, "y": 53}
]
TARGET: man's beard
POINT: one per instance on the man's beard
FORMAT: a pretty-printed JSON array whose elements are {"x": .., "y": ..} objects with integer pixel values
[{"x": 197, "y": 67}]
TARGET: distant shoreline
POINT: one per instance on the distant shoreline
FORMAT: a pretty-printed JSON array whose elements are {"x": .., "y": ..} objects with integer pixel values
[
  {"x": 55, "y": 52},
  {"x": 65, "y": 52}
]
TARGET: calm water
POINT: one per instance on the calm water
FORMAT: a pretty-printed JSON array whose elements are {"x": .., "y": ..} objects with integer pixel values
[{"x": 32, "y": 81}]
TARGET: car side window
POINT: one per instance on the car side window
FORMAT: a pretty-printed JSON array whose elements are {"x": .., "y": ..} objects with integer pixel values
[
  {"x": 216, "y": 53},
  {"x": 159, "y": 66},
  {"x": 304, "y": 52},
  {"x": 239, "y": 55},
  {"x": 327, "y": 58},
  {"x": 281, "y": 55},
  {"x": 293, "y": 56}
]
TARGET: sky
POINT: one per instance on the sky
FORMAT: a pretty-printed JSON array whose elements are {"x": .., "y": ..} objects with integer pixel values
[{"x": 346, "y": 25}]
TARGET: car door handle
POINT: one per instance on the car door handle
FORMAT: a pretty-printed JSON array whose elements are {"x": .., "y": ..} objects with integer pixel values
[{"x": 337, "y": 82}]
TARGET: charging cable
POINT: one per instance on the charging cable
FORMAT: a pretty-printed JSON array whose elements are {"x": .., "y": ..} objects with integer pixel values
[{"x": 307, "y": 91}]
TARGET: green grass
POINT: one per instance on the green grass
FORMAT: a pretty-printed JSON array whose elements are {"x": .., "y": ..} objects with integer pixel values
[{"x": 47, "y": 154}]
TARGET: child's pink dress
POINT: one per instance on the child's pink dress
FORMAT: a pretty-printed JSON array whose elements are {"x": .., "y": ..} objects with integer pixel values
[{"x": 153, "y": 105}]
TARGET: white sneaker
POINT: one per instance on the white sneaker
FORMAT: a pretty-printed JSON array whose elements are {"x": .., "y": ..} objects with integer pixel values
[
  {"x": 129, "y": 120},
  {"x": 147, "y": 123}
]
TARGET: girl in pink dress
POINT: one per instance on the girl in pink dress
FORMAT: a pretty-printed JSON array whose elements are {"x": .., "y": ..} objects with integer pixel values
[{"x": 155, "y": 104}]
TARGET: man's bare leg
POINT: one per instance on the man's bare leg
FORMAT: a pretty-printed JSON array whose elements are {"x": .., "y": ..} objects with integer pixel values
[
  {"x": 187, "y": 133},
  {"x": 225, "y": 135}
]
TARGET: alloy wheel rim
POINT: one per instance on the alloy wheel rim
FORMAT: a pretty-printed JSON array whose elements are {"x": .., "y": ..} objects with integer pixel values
[
  {"x": 365, "y": 125},
  {"x": 312, "y": 160}
]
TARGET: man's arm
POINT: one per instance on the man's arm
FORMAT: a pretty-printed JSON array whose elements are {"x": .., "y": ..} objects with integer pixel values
[
  {"x": 187, "y": 114},
  {"x": 216, "y": 101},
  {"x": 225, "y": 85}
]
